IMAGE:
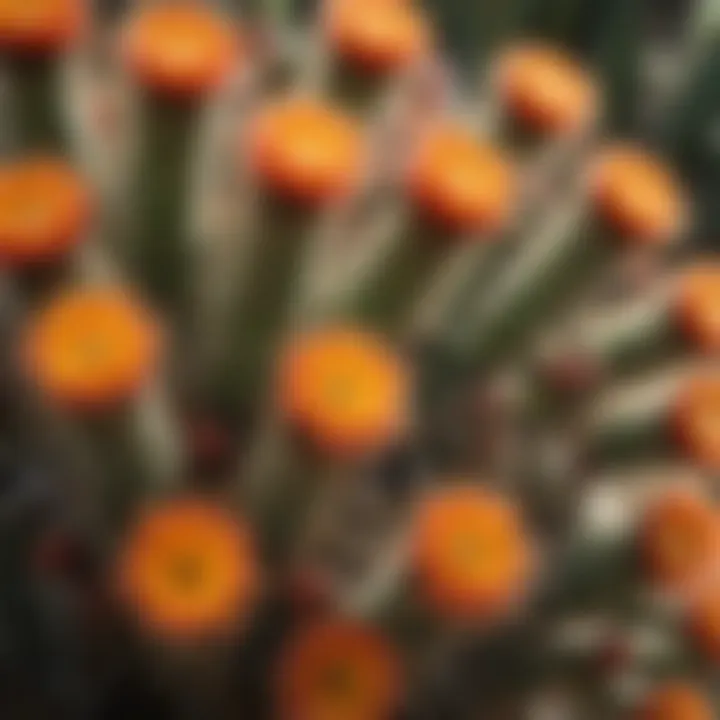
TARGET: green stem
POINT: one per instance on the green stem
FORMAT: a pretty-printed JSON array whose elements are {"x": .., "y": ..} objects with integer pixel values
[
  {"x": 358, "y": 92},
  {"x": 158, "y": 251},
  {"x": 267, "y": 280},
  {"x": 633, "y": 425},
  {"x": 283, "y": 479},
  {"x": 531, "y": 288},
  {"x": 124, "y": 457},
  {"x": 38, "y": 124}
]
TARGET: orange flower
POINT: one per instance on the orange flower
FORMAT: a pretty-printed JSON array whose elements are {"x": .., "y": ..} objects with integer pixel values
[
  {"x": 696, "y": 419},
  {"x": 187, "y": 570},
  {"x": 678, "y": 537},
  {"x": 180, "y": 48},
  {"x": 703, "y": 622},
  {"x": 698, "y": 306},
  {"x": 306, "y": 151},
  {"x": 345, "y": 390},
  {"x": 40, "y": 25},
  {"x": 546, "y": 90},
  {"x": 91, "y": 349},
  {"x": 338, "y": 670},
  {"x": 376, "y": 35},
  {"x": 472, "y": 556},
  {"x": 638, "y": 196},
  {"x": 45, "y": 210},
  {"x": 675, "y": 701},
  {"x": 460, "y": 182}
]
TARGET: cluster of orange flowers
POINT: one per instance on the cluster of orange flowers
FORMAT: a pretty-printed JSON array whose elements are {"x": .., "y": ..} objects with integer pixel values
[{"x": 190, "y": 568}]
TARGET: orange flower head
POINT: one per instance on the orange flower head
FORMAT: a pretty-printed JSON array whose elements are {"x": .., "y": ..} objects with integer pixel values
[
  {"x": 181, "y": 49},
  {"x": 675, "y": 701},
  {"x": 461, "y": 183},
  {"x": 45, "y": 211},
  {"x": 377, "y": 36},
  {"x": 546, "y": 91},
  {"x": 338, "y": 669},
  {"x": 187, "y": 571},
  {"x": 638, "y": 196},
  {"x": 696, "y": 419},
  {"x": 678, "y": 537},
  {"x": 40, "y": 26},
  {"x": 91, "y": 349},
  {"x": 306, "y": 151},
  {"x": 698, "y": 306},
  {"x": 703, "y": 622},
  {"x": 345, "y": 390},
  {"x": 472, "y": 557}
]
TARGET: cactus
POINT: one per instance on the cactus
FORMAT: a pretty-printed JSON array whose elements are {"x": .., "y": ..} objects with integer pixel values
[
  {"x": 304, "y": 156},
  {"x": 177, "y": 57},
  {"x": 669, "y": 415},
  {"x": 575, "y": 246},
  {"x": 460, "y": 194},
  {"x": 322, "y": 251},
  {"x": 341, "y": 397},
  {"x": 671, "y": 322}
]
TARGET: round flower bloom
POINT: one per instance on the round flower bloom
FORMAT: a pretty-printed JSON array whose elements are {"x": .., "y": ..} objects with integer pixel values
[
  {"x": 91, "y": 349},
  {"x": 345, "y": 390},
  {"x": 472, "y": 556},
  {"x": 377, "y": 36},
  {"x": 33, "y": 26},
  {"x": 678, "y": 536},
  {"x": 338, "y": 669},
  {"x": 675, "y": 701},
  {"x": 45, "y": 211},
  {"x": 698, "y": 306},
  {"x": 461, "y": 183},
  {"x": 180, "y": 48},
  {"x": 187, "y": 570},
  {"x": 696, "y": 419},
  {"x": 637, "y": 196},
  {"x": 303, "y": 150},
  {"x": 546, "y": 91}
]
